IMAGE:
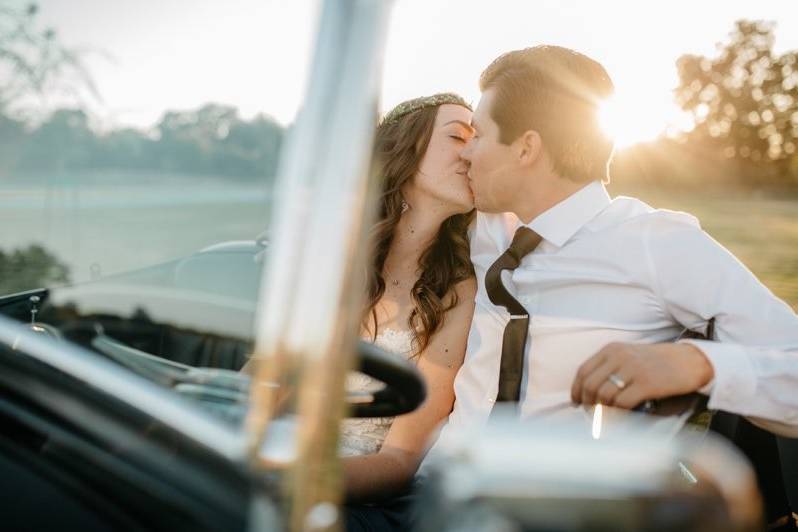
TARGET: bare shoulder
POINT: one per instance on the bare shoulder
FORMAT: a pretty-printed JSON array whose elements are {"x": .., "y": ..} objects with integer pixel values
[
  {"x": 465, "y": 291},
  {"x": 447, "y": 345}
]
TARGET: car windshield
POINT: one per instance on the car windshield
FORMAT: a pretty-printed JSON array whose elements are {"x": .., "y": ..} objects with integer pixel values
[
  {"x": 139, "y": 153},
  {"x": 129, "y": 143}
]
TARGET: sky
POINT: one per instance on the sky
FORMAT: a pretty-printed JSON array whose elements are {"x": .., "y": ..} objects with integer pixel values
[{"x": 149, "y": 56}]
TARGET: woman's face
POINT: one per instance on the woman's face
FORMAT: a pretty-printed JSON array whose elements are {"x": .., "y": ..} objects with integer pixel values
[{"x": 442, "y": 174}]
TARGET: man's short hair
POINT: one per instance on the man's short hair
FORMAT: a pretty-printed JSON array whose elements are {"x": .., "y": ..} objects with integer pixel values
[{"x": 556, "y": 92}]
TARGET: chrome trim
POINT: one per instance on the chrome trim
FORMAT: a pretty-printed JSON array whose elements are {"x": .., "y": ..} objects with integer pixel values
[
  {"x": 149, "y": 398},
  {"x": 313, "y": 269},
  {"x": 550, "y": 464}
]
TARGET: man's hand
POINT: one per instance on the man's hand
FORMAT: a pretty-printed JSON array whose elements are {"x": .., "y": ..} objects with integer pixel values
[{"x": 640, "y": 372}]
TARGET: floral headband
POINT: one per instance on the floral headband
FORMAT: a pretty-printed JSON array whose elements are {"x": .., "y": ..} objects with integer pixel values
[{"x": 411, "y": 106}]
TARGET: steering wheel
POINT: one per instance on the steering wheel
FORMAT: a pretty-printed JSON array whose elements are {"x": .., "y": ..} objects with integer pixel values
[
  {"x": 404, "y": 389},
  {"x": 228, "y": 390}
]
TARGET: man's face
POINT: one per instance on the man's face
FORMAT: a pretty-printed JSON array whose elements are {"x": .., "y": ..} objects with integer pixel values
[{"x": 492, "y": 165}]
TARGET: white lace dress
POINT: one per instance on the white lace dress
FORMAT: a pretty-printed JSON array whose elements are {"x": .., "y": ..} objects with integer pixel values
[{"x": 365, "y": 436}]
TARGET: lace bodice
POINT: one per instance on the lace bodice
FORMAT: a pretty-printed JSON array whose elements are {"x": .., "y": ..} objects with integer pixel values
[{"x": 365, "y": 436}]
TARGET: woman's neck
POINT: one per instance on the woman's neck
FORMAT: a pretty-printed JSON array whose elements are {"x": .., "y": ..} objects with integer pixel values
[
  {"x": 413, "y": 235},
  {"x": 417, "y": 229}
]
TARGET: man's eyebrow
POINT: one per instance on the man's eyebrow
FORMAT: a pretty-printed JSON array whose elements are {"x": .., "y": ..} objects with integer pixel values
[{"x": 464, "y": 124}]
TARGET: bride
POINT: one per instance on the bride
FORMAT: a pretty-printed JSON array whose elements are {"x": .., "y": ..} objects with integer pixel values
[{"x": 420, "y": 291}]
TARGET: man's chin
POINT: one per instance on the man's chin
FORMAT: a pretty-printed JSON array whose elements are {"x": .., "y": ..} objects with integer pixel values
[{"x": 481, "y": 206}]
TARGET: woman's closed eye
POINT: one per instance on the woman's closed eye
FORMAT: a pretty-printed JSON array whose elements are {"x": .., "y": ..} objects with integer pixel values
[{"x": 457, "y": 138}]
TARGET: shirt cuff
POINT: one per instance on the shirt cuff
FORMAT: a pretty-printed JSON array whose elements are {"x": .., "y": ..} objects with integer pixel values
[{"x": 734, "y": 383}]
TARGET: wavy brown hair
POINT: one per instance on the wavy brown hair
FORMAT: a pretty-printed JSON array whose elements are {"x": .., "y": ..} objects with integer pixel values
[{"x": 399, "y": 148}]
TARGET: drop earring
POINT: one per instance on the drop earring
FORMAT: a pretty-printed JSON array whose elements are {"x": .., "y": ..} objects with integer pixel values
[{"x": 405, "y": 206}]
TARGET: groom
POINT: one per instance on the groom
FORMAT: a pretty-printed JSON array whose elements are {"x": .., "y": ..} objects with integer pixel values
[{"x": 580, "y": 296}]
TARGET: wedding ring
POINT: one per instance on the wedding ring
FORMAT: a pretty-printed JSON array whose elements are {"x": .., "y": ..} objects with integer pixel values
[{"x": 617, "y": 381}]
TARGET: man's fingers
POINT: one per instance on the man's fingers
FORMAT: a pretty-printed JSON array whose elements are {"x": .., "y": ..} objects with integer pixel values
[
  {"x": 630, "y": 397},
  {"x": 608, "y": 391},
  {"x": 593, "y": 382},
  {"x": 585, "y": 370}
]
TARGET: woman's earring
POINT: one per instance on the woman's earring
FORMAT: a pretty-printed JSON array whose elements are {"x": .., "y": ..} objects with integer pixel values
[{"x": 405, "y": 206}]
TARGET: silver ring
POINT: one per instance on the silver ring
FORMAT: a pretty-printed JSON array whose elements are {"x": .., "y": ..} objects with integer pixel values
[{"x": 617, "y": 381}]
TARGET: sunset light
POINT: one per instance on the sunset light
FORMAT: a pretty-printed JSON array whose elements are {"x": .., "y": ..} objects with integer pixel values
[
  {"x": 631, "y": 118},
  {"x": 348, "y": 265}
]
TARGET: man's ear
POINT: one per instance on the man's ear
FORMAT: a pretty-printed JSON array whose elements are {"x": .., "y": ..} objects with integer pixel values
[{"x": 530, "y": 147}]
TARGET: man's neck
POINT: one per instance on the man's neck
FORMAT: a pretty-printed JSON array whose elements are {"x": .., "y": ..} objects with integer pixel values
[{"x": 538, "y": 199}]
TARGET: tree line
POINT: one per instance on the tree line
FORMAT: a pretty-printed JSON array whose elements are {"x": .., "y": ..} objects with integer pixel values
[
  {"x": 35, "y": 65},
  {"x": 212, "y": 140},
  {"x": 743, "y": 101},
  {"x": 744, "y": 104}
]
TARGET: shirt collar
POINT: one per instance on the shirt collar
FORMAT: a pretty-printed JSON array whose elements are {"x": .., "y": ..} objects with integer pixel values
[{"x": 558, "y": 224}]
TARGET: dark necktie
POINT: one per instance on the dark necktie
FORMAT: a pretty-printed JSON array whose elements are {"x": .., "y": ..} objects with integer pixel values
[{"x": 514, "y": 340}]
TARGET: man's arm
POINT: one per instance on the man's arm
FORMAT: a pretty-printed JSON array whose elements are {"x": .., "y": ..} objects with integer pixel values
[{"x": 752, "y": 369}]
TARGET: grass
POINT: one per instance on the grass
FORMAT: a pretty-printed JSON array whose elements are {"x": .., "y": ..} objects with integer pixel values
[{"x": 762, "y": 231}]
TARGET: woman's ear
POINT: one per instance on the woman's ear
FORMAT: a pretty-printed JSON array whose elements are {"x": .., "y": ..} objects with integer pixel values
[{"x": 530, "y": 146}]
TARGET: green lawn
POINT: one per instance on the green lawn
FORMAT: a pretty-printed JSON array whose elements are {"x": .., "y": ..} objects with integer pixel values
[{"x": 761, "y": 231}]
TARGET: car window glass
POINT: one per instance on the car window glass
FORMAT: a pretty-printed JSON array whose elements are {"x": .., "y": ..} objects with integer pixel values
[{"x": 139, "y": 146}]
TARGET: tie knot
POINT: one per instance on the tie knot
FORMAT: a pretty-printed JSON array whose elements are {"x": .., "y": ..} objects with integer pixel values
[{"x": 524, "y": 242}]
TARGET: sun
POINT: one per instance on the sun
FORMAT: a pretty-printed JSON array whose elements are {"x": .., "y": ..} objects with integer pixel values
[{"x": 632, "y": 118}]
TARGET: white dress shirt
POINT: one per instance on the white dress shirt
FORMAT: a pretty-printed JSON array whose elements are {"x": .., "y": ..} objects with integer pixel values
[{"x": 618, "y": 270}]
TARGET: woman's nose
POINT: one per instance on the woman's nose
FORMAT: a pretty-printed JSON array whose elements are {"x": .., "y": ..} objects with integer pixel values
[{"x": 465, "y": 153}]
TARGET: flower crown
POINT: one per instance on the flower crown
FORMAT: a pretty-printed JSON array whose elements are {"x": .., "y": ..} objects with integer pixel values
[{"x": 411, "y": 106}]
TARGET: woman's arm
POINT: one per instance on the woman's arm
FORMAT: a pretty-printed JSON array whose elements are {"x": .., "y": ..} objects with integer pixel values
[{"x": 378, "y": 476}]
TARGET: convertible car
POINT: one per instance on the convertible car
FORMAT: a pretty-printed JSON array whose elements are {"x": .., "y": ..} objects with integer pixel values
[
  {"x": 124, "y": 409},
  {"x": 123, "y": 403},
  {"x": 203, "y": 393}
]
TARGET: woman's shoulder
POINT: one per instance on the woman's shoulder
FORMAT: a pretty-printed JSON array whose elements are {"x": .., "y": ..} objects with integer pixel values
[
  {"x": 466, "y": 288},
  {"x": 461, "y": 295}
]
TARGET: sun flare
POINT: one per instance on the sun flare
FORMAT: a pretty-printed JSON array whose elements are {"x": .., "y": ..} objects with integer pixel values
[
  {"x": 623, "y": 124},
  {"x": 631, "y": 119}
]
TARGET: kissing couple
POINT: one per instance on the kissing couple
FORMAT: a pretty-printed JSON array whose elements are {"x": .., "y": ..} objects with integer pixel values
[{"x": 501, "y": 267}]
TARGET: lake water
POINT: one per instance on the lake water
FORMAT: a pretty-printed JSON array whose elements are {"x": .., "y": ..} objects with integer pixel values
[{"x": 105, "y": 228}]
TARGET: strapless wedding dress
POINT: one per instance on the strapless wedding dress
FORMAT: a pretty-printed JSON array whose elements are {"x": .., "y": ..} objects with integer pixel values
[{"x": 365, "y": 436}]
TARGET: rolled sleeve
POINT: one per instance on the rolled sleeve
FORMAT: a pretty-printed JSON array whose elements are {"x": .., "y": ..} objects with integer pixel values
[{"x": 734, "y": 382}]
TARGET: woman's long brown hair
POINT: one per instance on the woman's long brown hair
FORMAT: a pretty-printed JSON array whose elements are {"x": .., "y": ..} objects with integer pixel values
[{"x": 398, "y": 151}]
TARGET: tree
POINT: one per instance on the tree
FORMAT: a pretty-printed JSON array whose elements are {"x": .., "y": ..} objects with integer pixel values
[
  {"x": 63, "y": 142},
  {"x": 29, "y": 268},
  {"x": 744, "y": 101},
  {"x": 34, "y": 64},
  {"x": 12, "y": 135},
  {"x": 214, "y": 140}
]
